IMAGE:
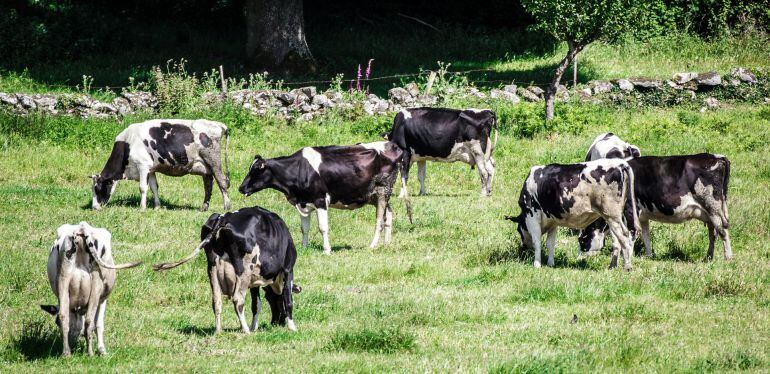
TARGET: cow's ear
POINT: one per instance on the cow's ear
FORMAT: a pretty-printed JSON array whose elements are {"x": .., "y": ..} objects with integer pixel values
[{"x": 50, "y": 309}]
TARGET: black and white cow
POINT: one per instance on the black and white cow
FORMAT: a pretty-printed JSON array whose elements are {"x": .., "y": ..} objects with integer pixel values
[
  {"x": 342, "y": 177},
  {"x": 248, "y": 249},
  {"x": 445, "y": 135},
  {"x": 609, "y": 145},
  {"x": 574, "y": 196},
  {"x": 82, "y": 276},
  {"x": 676, "y": 189},
  {"x": 172, "y": 147}
]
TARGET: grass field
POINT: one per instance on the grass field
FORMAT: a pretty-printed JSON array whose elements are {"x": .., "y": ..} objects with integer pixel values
[{"x": 453, "y": 292}]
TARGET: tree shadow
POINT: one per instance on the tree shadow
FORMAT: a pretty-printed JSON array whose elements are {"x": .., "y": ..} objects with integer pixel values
[{"x": 38, "y": 340}]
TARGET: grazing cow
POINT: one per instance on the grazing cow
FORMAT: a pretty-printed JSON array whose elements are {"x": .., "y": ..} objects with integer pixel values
[
  {"x": 173, "y": 147},
  {"x": 248, "y": 249},
  {"x": 574, "y": 196},
  {"x": 445, "y": 135},
  {"x": 82, "y": 275},
  {"x": 342, "y": 177},
  {"x": 676, "y": 189},
  {"x": 608, "y": 145}
]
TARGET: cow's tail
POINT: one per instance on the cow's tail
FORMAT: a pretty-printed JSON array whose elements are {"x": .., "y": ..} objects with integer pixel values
[
  {"x": 631, "y": 195},
  {"x": 227, "y": 160},
  {"x": 726, "y": 181},
  {"x": 171, "y": 265},
  {"x": 408, "y": 202},
  {"x": 102, "y": 264}
]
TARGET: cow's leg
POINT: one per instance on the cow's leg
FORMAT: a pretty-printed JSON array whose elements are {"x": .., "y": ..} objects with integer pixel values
[
  {"x": 481, "y": 165},
  {"x": 93, "y": 306},
  {"x": 645, "y": 226},
  {"x": 550, "y": 242},
  {"x": 208, "y": 184},
  {"x": 223, "y": 183},
  {"x": 216, "y": 298},
  {"x": 144, "y": 176},
  {"x": 490, "y": 164},
  {"x": 380, "y": 212},
  {"x": 712, "y": 238},
  {"x": 256, "y": 308},
  {"x": 239, "y": 301},
  {"x": 725, "y": 234},
  {"x": 421, "y": 166},
  {"x": 276, "y": 306},
  {"x": 323, "y": 227},
  {"x": 720, "y": 227},
  {"x": 154, "y": 188},
  {"x": 623, "y": 237},
  {"x": 62, "y": 290},
  {"x": 388, "y": 223},
  {"x": 305, "y": 226},
  {"x": 534, "y": 230},
  {"x": 100, "y": 328},
  {"x": 406, "y": 163},
  {"x": 288, "y": 301}
]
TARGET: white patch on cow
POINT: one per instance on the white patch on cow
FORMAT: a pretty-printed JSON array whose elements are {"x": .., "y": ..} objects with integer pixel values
[
  {"x": 313, "y": 157},
  {"x": 378, "y": 146},
  {"x": 290, "y": 325},
  {"x": 475, "y": 110},
  {"x": 407, "y": 114}
]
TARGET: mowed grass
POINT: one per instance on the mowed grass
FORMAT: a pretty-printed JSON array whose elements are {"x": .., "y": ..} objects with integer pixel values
[{"x": 452, "y": 292}]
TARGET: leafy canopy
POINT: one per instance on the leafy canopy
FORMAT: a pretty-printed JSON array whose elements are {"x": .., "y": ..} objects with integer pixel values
[{"x": 582, "y": 21}]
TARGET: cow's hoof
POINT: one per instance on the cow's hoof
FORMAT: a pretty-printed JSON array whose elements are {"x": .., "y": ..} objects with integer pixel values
[
  {"x": 290, "y": 325},
  {"x": 205, "y": 207},
  {"x": 66, "y": 354},
  {"x": 550, "y": 264},
  {"x": 101, "y": 351},
  {"x": 537, "y": 264},
  {"x": 328, "y": 252},
  {"x": 729, "y": 258},
  {"x": 628, "y": 268}
]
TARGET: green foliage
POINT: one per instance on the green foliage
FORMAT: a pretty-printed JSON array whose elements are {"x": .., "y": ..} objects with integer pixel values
[
  {"x": 582, "y": 21},
  {"x": 176, "y": 89},
  {"x": 379, "y": 340}
]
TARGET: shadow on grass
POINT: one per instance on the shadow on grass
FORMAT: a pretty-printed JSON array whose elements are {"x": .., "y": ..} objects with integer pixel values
[
  {"x": 38, "y": 340},
  {"x": 134, "y": 201},
  {"x": 203, "y": 331},
  {"x": 675, "y": 253}
]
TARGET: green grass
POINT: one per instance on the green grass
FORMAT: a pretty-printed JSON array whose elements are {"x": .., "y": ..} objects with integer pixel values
[{"x": 453, "y": 292}]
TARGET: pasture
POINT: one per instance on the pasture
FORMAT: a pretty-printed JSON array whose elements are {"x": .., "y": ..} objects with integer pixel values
[{"x": 452, "y": 292}]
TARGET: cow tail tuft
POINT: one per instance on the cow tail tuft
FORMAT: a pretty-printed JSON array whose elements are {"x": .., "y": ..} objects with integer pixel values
[
  {"x": 206, "y": 240},
  {"x": 408, "y": 202}
]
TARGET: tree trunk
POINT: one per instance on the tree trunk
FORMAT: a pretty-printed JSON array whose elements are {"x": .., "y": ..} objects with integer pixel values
[
  {"x": 276, "y": 36},
  {"x": 550, "y": 92}
]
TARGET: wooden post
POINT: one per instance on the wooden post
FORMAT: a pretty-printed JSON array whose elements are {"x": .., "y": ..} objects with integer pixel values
[
  {"x": 431, "y": 78},
  {"x": 574, "y": 72},
  {"x": 222, "y": 79}
]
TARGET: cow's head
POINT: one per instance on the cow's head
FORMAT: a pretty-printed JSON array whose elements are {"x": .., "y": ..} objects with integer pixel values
[
  {"x": 591, "y": 238},
  {"x": 102, "y": 190},
  {"x": 258, "y": 178},
  {"x": 521, "y": 227}
]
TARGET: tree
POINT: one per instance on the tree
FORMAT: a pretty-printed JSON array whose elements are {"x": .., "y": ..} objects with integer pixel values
[
  {"x": 579, "y": 23},
  {"x": 276, "y": 36}
]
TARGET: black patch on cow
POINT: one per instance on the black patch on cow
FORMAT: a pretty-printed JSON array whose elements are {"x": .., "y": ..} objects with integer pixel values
[
  {"x": 146, "y": 144},
  {"x": 169, "y": 140},
  {"x": 607, "y": 136},
  {"x": 552, "y": 182},
  {"x": 614, "y": 153},
  {"x": 117, "y": 162},
  {"x": 205, "y": 140}
]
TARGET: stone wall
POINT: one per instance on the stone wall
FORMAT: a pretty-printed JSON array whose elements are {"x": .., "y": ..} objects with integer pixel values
[{"x": 307, "y": 103}]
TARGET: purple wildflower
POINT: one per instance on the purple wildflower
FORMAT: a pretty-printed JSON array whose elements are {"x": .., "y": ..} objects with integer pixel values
[
  {"x": 369, "y": 68},
  {"x": 358, "y": 78}
]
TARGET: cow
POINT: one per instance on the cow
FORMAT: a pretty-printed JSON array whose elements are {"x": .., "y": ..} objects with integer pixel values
[
  {"x": 245, "y": 250},
  {"x": 445, "y": 135},
  {"x": 172, "y": 147},
  {"x": 574, "y": 196},
  {"x": 341, "y": 177},
  {"x": 609, "y": 145},
  {"x": 82, "y": 275},
  {"x": 676, "y": 189}
]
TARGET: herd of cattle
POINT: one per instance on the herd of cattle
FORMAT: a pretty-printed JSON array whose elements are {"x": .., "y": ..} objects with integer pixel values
[{"x": 616, "y": 190}]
